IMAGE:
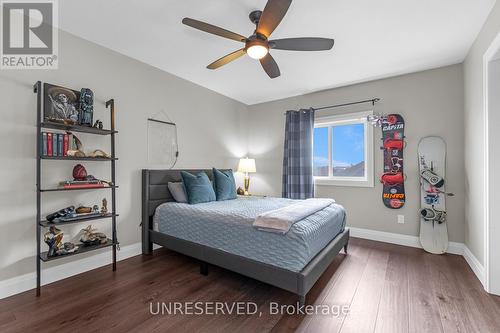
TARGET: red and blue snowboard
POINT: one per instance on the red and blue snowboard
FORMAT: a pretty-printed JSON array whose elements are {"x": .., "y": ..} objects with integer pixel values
[{"x": 393, "y": 194}]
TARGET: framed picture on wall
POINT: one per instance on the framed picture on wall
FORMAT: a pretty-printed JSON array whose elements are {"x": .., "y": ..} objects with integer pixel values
[{"x": 60, "y": 104}]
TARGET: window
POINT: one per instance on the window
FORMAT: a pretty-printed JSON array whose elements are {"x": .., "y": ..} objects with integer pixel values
[{"x": 343, "y": 150}]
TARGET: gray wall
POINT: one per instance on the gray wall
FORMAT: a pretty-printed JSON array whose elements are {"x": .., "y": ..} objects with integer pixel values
[
  {"x": 431, "y": 103},
  {"x": 209, "y": 126},
  {"x": 474, "y": 119}
]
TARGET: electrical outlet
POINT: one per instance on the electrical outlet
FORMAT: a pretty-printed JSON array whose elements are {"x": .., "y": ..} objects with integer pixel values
[{"x": 401, "y": 219}]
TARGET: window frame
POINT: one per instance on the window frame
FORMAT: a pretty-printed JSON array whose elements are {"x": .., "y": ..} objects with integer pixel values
[{"x": 348, "y": 119}]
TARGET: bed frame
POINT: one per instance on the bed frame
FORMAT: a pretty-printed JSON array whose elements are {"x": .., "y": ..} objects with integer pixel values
[{"x": 155, "y": 192}]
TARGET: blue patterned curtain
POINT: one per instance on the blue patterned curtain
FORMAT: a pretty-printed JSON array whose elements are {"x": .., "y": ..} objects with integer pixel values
[{"x": 298, "y": 181}]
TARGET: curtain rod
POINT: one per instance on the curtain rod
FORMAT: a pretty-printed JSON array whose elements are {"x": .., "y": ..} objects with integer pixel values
[{"x": 373, "y": 101}]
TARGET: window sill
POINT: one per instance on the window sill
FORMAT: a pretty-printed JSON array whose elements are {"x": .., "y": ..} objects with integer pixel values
[{"x": 349, "y": 182}]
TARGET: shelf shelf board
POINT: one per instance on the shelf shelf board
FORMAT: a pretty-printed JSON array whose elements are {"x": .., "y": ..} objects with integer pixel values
[
  {"x": 82, "y": 249},
  {"x": 77, "y": 128},
  {"x": 45, "y": 223},
  {"x": 74, "y": 158},
  {"x": 75, "y": 189}
]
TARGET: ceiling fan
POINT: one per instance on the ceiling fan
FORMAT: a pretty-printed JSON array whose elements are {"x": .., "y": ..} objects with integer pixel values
[{"x": 258, "y": 44}]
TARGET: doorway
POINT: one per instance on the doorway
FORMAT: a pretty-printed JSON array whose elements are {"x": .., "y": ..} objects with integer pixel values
[{"x": 492, "y": 166}]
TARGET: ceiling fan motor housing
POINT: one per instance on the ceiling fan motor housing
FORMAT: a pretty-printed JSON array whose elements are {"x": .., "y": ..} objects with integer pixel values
[
  {"x": 256, "y": 40},
  {"x": 255, "y": 16}
]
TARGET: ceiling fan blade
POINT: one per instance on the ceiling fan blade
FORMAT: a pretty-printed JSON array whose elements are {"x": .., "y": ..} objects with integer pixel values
[
  {"x": 226, "y": 59},
  {"x": 302, "y": 44},
  {"x": 272, "y": 15},
  {"x": 270, "y": 66},
  {"x": 212, "y": 29}
]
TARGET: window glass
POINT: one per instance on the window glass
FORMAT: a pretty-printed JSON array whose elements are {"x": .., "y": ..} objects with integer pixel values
[
  {"x": 320, "y": 152},
  {"x": 348, "y": 150}
]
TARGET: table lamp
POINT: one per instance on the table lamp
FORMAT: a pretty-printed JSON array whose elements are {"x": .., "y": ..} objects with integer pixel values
[{"x": 247, "y": 165}]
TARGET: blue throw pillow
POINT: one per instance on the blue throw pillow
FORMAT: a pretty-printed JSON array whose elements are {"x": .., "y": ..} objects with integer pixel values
[
  {"x": 225, "y": 186},
  {"x": 198, "y": 188}
]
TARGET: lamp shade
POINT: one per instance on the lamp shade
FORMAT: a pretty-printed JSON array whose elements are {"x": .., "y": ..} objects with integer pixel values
[{"x": 247, "y": 165}]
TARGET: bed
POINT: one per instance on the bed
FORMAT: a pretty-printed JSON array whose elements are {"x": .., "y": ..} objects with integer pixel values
[{"x": 221, "y": 233}]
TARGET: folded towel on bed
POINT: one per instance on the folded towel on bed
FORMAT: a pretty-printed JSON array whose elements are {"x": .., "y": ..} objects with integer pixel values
[{"x": 282, "y": 219}]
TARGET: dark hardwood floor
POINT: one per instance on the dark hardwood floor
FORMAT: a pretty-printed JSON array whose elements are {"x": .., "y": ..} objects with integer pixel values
[{"x": 388, "y": 288}]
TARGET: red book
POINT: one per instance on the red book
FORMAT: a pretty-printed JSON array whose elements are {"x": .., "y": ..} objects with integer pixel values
[
  {"x": 68, "y": 186},
  {"x": 49, "y": 144},
  {"x": 65, "y": 145}
]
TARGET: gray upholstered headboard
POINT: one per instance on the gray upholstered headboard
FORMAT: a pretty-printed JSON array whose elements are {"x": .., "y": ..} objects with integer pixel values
[{"x": 155, "y": 190}]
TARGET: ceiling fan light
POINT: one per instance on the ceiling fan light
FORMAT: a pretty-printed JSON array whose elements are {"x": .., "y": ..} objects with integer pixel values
[{"x": 257, "y": 51}]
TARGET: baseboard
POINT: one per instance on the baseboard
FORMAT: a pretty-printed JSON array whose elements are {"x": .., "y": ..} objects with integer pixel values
[
  {"x": 27, "y": 281},
  {"x": 399, "y": 239},
  {"x": 475, "y": 265}
]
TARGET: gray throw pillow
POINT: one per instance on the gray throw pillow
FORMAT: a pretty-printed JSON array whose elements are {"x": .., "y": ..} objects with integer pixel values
[{"x": 178, "y": 192}]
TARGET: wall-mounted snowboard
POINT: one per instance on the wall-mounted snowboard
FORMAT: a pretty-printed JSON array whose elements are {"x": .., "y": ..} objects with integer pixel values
[
  {"x": 432, "y": 167},
  {"x": 393, "y": 194}
]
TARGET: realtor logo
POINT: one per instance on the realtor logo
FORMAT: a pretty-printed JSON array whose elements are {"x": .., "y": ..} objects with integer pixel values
[{"x": 29, "y": 36}]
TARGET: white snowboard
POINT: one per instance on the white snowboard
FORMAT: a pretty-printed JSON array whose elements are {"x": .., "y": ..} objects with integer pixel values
[{"x": 432, "y": 155}]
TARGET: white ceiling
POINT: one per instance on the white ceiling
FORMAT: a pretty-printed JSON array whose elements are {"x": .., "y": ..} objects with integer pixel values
[{"x": 373, "y": 39}]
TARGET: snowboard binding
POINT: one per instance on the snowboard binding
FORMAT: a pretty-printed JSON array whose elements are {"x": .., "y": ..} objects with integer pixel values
[
  {"x": 434, "y": 182},
  {"x": 392, "y": 179},
  {"x": 434, "y": 215},
  {"x": 393, "y": 144},
  {"x": 432, "y": 178}
]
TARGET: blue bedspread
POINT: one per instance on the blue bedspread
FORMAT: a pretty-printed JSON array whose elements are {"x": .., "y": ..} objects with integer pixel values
[{"x": 227, "y": 226}]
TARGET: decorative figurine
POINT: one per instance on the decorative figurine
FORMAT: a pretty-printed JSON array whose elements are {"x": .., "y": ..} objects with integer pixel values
[
  {"x": 67, "y": 248},
  {"x": 104, "y": 208},
  {"x": 83, "y": 210},
  {"x": 70, "y": 247},
  {"x": 76, "y": 153},
  {"x": 95, "y": 209},
  {"x": 78, "y": 143},
  {"x": 53, "y": 238},
  {"x": 240, "y": 191},
  {"x": 79, "y": 172},
  {"x": 86, "y": 106},
  {"x": 92, "y": 237},
  {"x": 98, "y": 124},
  {"x": 53, "y": 217},
  {"x": 78, "y": 148},
  {"x": 99, "y": 153}
]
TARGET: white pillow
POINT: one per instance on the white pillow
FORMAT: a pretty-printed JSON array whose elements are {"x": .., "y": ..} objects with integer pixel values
[{"x": 178, "y": 192}]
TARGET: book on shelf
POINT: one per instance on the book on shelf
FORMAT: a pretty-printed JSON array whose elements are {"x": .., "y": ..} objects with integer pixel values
[
  {"x": 60, "y": 144},
  {"x": 44, "y": 144},
  {"x": 65, "y": 144},
  {"x": 49, "y": 144},
  {"x": 56, "y": 144}
]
